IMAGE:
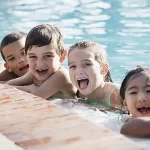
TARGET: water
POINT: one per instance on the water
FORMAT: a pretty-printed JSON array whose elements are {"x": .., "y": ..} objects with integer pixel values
[
  {"x": 109, "y": 119},
  {"x": 122, "y": 27}
]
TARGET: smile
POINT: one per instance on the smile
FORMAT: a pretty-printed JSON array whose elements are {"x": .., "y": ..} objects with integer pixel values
[
  {"x": 24, "y": 68},
  {"x": 41, "y": 72},
  {"x": 83, "y": 83},
  {"x": 144, "y": 110}
]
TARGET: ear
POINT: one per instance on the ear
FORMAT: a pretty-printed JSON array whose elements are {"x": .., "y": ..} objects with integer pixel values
[
  {"x": 104, "y": 69},
  {"x": 7, "y": 67},
  {"x": 63, "y": 56}
]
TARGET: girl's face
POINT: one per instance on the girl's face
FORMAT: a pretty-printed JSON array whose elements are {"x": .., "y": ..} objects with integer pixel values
[
  {"x": 85, "y": 71},
  {"x": 137, "y": 96}
]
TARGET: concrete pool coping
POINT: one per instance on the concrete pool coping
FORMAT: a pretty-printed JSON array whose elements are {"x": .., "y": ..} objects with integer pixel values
[{"x": 33, "y": 123}]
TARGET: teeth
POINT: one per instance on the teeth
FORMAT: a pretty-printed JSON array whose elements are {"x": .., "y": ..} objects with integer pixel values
[
  {"x": 144, "y": 106},
  {"x": 81, "y": 79}
]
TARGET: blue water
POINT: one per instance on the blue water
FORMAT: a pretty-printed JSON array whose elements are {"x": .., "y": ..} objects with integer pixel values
[{"x": 121, "y": 26}]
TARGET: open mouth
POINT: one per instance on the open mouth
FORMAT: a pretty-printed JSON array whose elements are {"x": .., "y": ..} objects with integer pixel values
[
  {"x": 24, "y": 68},
  {"x": 83, "y": 83},
  {"x": 144, "y": 110},
  {"x": 42, "y": 72}
]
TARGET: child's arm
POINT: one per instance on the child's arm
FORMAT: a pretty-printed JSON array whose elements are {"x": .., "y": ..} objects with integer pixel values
[
  {"x": 138, "y": 127},
  {"x": 26, "y": 79},
  {"x": 27, "y": 88},
  {"x": 57, "y": 82}
]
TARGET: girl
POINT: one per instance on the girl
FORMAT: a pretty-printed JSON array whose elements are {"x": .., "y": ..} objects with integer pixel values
[
  {"x": 135, "y": 95},
  {"x": 89, "y": 72}
]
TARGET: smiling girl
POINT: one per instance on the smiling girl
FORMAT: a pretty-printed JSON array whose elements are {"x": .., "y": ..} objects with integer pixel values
[
  {"x": 89, "y": 72},
  {"x": 135, "y": 95}
]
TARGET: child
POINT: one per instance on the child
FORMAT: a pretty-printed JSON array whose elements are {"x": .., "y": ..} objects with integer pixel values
[
  {"x": 89, "y": 72},
  {"x": 135, "y": 95},
  {"x": 45, "y": 52},
  {"x": 12, "y": 51}
]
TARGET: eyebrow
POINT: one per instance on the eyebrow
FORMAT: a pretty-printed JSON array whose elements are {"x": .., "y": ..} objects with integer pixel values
[
  {"x": 49, "y": 53},
  {"x": 132, "y": 87},
  {"x": 22, "y": 48},
  {"x": 135, "y": 87},
  {"x": 43, "y": 53},
  {"x": 30, "y": 54},
  {"x": 9, "y": 56},
  {"x": 86, "y": 60},
  {"x": 82, "y": 61}
]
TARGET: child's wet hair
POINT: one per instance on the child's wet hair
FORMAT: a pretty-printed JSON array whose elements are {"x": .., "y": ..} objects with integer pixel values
[
  {"x": 99, "y": 52},
  {"x": 132, "y": 74},
  {"x": 43, "y": 35},
  {"x": 10, "y": 38}
]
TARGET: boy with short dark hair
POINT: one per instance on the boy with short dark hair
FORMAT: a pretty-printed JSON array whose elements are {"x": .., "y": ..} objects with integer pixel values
[
  {"x": 12, "y": 52},
  {"x": 45, "y": 52}
]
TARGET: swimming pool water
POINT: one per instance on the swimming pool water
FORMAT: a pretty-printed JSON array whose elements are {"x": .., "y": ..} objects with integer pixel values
[{"x": 122, "y": 27}]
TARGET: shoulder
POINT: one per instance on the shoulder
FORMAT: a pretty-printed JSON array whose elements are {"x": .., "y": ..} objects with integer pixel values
[
  {"x": 112, "y": 87},
  {"x": 62, "y": 80},
  {"x": 5, "y": 75},
  {"x": 62, "y": 74},
  {"x": 113, "y": 93}
]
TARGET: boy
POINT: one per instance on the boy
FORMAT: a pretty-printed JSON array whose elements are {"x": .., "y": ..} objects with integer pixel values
[
  {"x": 12, "y": 51},
  {"x": 44, "y": 48}
]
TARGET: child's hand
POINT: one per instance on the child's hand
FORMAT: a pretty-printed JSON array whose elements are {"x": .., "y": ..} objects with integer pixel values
[
  {"x": 138, "y": 127},
  {"x": 32, "y": 88}
]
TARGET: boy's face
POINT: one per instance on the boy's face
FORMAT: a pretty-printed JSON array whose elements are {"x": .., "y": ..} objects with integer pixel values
[
  {"x": 137, "y": 96},
  {"x": 43, "y": 61},
  {"x": 85, "y": 71},
  {"x": 15, "y": 58}
]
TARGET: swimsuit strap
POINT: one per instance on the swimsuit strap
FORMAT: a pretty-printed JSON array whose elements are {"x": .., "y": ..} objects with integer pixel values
[
  {"x": 98, "y": 103},
  {"x": 109, "y": 96},
  {"x": 101, "y": 102}
]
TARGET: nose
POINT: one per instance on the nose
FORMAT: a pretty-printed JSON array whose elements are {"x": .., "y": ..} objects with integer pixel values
[
  {"x": 39, "y": 63},
  {"x": 79, "y": 72},
  {"x": 21, "y": 59},
  {"x": 142, "y": 97}
]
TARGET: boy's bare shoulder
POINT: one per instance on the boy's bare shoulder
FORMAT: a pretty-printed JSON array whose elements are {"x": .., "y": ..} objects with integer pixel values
[
  {"x": 62, "y": 80},
  {"x": 5, "y": 75},
  {"x": 63, "y": 75}
]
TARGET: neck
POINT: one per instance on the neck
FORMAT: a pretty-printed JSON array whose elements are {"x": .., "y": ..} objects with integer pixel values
[{"x": 98, "y": 93}]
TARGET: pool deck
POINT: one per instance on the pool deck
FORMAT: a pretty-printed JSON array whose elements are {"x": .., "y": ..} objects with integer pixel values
[{"x": 33, "y": 123}]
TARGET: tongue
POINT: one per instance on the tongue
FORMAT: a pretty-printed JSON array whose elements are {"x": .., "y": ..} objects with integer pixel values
[{"x": 83, "y": 84}]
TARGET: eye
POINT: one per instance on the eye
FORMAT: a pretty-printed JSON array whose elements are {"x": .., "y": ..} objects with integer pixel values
[
  {"x": 72, "y": 66},
  {"x": 48, "y": 56},
  {"x": 87, "y": 64},
  {"x": 11, "y": 59},
  {"x": 133, "y": 93},
  {"x": 32, "y": 57},
  {"x": 148, "y": 91}
]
